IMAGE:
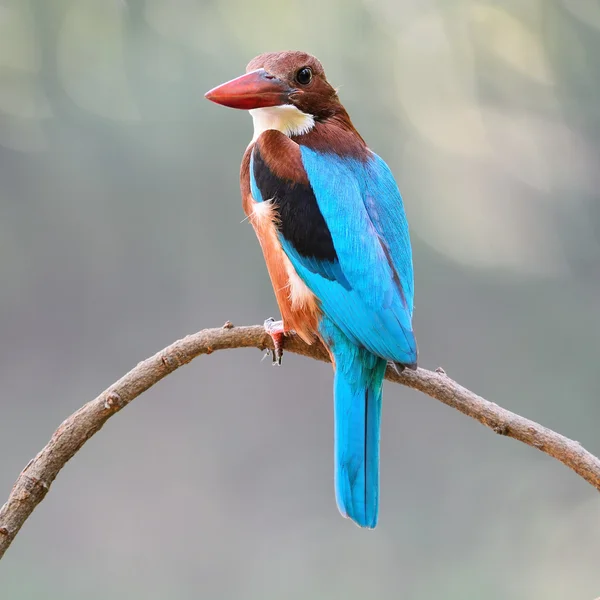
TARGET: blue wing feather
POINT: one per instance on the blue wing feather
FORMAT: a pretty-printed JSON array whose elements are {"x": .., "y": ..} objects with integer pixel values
[
  {"x": 386, "y": 210},
  {"x": 254, "y": 189},
  {"x": 363, "y": 209}
]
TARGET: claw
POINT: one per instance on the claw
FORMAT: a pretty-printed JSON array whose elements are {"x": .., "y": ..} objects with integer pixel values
[
  {"x": 275, "y": 330},
  {"x": 398, "y": 367}
]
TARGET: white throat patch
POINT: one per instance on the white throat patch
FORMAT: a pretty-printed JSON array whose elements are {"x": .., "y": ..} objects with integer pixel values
[{"x": 286, "y": 118}]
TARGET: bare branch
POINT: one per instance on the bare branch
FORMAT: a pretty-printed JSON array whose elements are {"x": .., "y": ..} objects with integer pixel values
[{"x": 34, "y": 482}]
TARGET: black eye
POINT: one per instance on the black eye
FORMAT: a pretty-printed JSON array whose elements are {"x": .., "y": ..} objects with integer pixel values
[{"x": 304, "y": 76}]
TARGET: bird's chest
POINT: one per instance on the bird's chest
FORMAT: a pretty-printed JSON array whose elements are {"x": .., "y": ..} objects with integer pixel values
[{"x": 266, "y": 220}]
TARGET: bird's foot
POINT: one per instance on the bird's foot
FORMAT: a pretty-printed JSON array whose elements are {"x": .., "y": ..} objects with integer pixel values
[
  {"x": 400, "y": 367},
  {"x": 275, "y": 330}
]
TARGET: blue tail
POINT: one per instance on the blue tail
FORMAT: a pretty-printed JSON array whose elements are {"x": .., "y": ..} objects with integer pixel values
[{"x": 357, "y": 412}]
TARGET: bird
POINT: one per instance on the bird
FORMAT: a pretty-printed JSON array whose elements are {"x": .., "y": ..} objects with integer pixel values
[{"x": 335, "y": 238}]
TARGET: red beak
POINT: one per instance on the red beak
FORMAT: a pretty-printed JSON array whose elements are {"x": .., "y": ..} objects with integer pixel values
[{"x": 256, "y": 89}]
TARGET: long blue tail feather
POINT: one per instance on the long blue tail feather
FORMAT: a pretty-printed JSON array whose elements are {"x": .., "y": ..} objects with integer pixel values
[{"x": 358, "y": 385}]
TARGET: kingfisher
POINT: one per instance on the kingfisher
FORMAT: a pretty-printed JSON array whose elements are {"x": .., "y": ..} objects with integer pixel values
[{"x": 333, "y": 231}]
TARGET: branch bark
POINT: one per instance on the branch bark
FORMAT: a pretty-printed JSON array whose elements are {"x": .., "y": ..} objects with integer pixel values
[{"x": 34, "y": 481}]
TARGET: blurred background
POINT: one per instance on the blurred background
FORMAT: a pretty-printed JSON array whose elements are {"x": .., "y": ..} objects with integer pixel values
[{"x": 121, "y": 230}]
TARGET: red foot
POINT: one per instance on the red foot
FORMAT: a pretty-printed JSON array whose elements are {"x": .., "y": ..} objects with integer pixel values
[{"x": 275, "y": 330}]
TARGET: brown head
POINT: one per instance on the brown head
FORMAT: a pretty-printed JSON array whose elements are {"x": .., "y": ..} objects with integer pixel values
[{"x": 281, "y": 79}]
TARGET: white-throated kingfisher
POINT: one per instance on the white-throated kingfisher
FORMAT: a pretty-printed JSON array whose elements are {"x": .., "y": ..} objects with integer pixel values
[{"x": 331, "y": 224}]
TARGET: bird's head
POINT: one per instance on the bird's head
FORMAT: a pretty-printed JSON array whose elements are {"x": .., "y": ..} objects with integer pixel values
[{"x": 282, "y": 90}]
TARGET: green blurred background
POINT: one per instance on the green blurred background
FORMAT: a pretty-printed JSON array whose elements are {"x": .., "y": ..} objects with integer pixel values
[{"x": 120, "y": 231}]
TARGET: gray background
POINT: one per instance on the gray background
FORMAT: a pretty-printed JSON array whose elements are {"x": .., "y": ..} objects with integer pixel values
[{"x": 120, "y": 231}]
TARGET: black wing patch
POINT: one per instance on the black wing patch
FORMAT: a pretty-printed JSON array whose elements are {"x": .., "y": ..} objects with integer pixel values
[{"x": 300, "y": 220}]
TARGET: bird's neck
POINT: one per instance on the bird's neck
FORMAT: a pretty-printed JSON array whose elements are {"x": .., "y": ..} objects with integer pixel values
[
  {"x": 332, "y": 134},
  {"x": 335, "y": 134}
]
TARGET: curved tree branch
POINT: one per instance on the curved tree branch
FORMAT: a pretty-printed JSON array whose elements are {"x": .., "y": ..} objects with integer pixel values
[{"x": 34, "y": 481}]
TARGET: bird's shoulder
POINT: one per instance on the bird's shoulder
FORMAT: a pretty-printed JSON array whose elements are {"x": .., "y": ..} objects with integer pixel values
[{"x": 276, "y": 153}]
